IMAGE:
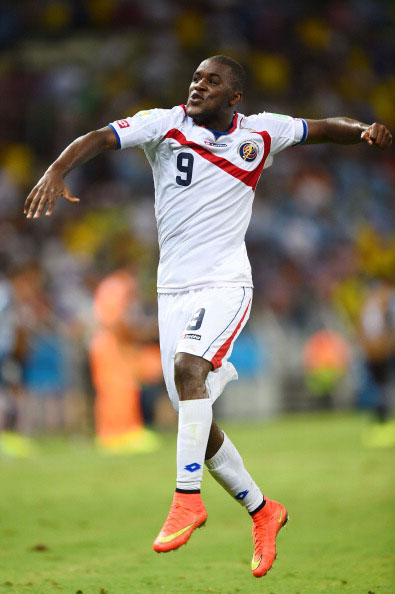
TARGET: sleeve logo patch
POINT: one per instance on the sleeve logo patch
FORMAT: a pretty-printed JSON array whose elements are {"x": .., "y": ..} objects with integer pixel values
[
  {"x": 280, "y": 115},
  {"x": 248, "y": 151},
  {"x": 123, "y": 123},
  {"x": 143, "y": 114}
]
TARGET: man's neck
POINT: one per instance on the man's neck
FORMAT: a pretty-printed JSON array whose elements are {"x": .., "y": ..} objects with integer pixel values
[{"x": 218, "y": 124}]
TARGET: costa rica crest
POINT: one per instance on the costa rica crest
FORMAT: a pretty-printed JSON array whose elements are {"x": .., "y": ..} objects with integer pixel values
[{"x": 248, "y": 151}]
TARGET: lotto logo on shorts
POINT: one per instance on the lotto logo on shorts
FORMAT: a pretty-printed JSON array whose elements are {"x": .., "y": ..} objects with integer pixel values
[
  {"x": 193, "y": 336},
  {"x": 123, "y": 123}
]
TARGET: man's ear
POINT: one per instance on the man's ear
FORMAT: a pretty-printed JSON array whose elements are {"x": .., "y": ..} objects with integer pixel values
[{"x": 237, "y": 97}]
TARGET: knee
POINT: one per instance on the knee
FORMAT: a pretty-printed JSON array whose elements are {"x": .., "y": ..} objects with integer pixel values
[{"x": 190, "y": 374}]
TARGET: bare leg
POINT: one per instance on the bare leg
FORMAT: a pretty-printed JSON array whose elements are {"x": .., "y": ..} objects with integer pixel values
[
  {"x": 191, "y": 384},
  {"x": 190, "y": 374},
  {"x": 215, "y": 440}
]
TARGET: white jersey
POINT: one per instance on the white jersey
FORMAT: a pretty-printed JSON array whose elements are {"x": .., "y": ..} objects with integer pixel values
[{"x": 204, "y": 189}]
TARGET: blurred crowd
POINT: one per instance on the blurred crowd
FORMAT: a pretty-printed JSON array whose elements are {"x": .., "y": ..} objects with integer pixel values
[{"x": 321, "y": 240}]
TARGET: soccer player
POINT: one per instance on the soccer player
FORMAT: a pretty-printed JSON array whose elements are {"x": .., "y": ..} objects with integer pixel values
[{"x": 206, "y": 161}]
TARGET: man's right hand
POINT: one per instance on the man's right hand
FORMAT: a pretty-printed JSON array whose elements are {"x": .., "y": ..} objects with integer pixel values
[
  {"x": 51, "y": 185},
  {"x": 44, "y": 195}
]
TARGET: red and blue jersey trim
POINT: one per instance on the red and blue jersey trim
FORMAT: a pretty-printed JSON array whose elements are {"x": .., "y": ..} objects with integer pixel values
[
  {"x": 116, "y": 135},
  {"x": 217, "y": 133},
  {"x": 305, "y": 130},
  {"x": 305, "y": 133},
  {"x": 232, "y": 128}
]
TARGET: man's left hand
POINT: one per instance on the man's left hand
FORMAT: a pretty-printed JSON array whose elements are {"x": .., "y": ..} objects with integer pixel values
[{"x": 377, "y": 135}]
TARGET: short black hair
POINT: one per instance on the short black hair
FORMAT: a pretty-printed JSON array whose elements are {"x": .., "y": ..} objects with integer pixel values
[{"x": 238, "y": 74}]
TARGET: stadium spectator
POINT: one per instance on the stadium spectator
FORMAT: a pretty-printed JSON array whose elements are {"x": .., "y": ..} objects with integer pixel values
[
  {"x": 377, "y": 340},
  {"x": 116, "y": 355}
]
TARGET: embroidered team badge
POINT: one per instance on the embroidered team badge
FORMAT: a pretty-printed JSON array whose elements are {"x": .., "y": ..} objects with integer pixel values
[{"x": 248, "y": 151}]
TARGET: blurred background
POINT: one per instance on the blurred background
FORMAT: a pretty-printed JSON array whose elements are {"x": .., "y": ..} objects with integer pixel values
[{"x": 78, "y": 336}]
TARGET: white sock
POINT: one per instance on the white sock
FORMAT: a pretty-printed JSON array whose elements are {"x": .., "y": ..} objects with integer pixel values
[
  {"x": 194, "y": 423},
  {"x": 227, "y": 467}
]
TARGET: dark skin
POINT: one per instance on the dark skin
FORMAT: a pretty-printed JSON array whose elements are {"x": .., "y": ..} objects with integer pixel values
[
  {"x": 212, "y": 97},
  {"x": 190, "y": 373},
  {"x": 211, "y": 102}
]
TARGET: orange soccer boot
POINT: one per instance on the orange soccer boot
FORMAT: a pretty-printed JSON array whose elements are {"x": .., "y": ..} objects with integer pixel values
[
  {"x": 187, "y": 513},
  {"x": 266, "y": 524}
]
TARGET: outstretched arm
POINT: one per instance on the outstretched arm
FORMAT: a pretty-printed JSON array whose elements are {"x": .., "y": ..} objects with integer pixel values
[
  {"x": 346, "y": 131},
  {"x": 51, "y": 186}
]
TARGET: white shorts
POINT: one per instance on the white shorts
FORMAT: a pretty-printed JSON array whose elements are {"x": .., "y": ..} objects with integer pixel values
[{"x": 204, "y": 322}]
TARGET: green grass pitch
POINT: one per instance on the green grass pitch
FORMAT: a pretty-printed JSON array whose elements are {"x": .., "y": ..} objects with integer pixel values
[{"x": 73, "y": 521}]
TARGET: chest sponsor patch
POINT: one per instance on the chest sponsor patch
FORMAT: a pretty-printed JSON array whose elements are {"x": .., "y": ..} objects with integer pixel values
[
  {"x": 214, "y": 143},
  {"x": 248, "y": 151}
]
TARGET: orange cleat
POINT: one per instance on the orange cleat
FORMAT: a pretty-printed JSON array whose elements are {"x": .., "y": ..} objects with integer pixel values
[
  {"x": 267, "y": 522},
  {"x": 187, "y": 513}
]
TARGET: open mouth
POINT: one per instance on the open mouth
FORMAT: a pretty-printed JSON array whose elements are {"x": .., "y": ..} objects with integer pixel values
[{"x": 195, "y": 99}]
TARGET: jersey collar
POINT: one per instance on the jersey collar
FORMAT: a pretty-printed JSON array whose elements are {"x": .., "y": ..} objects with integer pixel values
[
  {"x": 216, "y": 133},
  {"x": 231, "y": 129}
]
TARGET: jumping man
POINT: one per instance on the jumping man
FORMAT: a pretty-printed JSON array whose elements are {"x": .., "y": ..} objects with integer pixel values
[{"x": 206, "y": 160}]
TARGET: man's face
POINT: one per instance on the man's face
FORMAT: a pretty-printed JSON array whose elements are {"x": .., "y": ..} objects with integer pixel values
[{"x": 211, "y": 92}]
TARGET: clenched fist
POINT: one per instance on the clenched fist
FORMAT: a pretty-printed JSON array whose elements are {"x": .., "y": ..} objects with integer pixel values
[{"x": 378, "y": 135}]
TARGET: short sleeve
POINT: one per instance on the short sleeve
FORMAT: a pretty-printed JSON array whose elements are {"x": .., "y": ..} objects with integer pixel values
[
  {"x": 284, "y": 130},
  {"x": 143, "y": 129}
]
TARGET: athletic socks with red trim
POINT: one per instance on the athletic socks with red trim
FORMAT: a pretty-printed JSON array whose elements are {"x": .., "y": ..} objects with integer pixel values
[
  {"x": 227, "y": 467},
  {"x": 194, "y": 423}
]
